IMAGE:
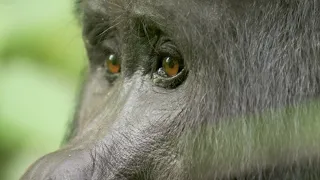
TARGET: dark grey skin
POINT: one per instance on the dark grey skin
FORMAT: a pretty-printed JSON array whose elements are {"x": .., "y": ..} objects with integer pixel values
[{"x": 243, "y": 105}]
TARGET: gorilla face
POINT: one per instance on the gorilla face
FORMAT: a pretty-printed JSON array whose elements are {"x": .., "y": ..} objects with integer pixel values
[{"x": 195, "y": 89}]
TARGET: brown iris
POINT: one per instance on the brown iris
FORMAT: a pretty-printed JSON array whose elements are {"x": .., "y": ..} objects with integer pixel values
[
  {"x": 112, "y": 63},
  {"x": 170, "y": 66}
]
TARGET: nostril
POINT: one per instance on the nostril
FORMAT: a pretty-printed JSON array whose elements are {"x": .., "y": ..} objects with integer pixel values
[{"x": 71, "y": 165}]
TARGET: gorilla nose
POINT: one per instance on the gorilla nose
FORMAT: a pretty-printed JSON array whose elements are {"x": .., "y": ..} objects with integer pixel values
[{"x": 62, "y": 165}]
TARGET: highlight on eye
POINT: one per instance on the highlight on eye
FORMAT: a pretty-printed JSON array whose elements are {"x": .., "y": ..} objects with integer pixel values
[
  {"x": 170, "y": 66},
  {"x": 112, "y": 64}
]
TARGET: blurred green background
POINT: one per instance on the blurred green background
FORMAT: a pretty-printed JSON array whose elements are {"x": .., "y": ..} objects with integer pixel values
[{"x": 41, "y": 56}]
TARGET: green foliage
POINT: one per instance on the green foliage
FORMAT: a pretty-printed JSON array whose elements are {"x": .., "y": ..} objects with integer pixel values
[{"x": 41, "y": 56}]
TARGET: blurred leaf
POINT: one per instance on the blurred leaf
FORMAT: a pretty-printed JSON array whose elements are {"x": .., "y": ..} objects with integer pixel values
[
  {"x": 35, "y": 105},
  {"x": 41, "y": 56}
]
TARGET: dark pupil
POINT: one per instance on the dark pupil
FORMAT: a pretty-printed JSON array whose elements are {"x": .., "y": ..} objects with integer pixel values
[
  {"x": 113, "y": 59},
  {"x": 170, "y": 62}
]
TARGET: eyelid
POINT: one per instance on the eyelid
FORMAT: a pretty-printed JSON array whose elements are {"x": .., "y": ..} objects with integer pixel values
[
  {"x": 111, "y": 44},
  {"x": 170, "y": 82},
  {"x": 168, "y": 49}
]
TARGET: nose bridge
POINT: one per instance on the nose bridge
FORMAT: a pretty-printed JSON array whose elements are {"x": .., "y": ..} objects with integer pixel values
[{"x": 64, "y": 164}]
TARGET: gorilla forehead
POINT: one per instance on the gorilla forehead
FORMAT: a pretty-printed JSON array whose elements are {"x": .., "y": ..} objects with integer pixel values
[{"x": 165, "y": 11}]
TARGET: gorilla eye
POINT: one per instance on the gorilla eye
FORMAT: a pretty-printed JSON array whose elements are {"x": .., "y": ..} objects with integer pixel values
[
  {"x": 112, "y": 64},
  {"x": 169, "y": 70},
  {"x": 170, "y": 67}
]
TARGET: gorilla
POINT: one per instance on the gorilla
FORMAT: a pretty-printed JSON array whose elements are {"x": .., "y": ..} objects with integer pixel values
[{"x": 194, "y": 89}]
